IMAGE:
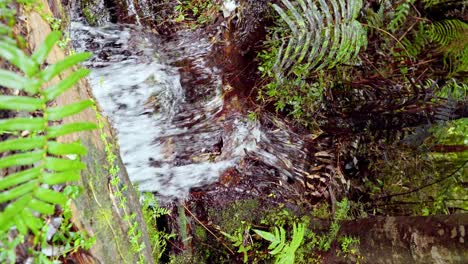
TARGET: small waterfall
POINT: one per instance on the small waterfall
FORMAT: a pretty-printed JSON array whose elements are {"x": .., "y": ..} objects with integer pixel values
[
  {"x": 165, "y": 99},
  {"x": 132, "y": 11}
]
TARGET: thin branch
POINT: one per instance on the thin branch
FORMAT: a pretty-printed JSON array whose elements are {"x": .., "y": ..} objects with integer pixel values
[{"x": 425, "y": 186}]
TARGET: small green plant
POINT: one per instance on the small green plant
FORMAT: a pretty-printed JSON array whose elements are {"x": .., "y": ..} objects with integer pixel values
[
  {"x": 400, "y": 15},
  {"x": 346, "y": 244},
  {"x": 340, "y": 214},
  {"x": 240, "y": 239},
  {"x": 151, "y": 212},
  {"x": 284, "y": 251},
  {"x": 196, "y": 13},
  {"x": 117, "y": 190}
]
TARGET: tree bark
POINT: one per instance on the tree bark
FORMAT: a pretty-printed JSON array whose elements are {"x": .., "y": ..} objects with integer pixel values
[{"x": 417, "y": 239}]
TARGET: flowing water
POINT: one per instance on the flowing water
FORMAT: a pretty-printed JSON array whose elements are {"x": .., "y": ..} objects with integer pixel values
[{"x": 164, "y": 98}]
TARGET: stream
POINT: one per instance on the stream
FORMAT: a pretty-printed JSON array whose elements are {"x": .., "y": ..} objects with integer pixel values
[{"x": 165, "y": 98}]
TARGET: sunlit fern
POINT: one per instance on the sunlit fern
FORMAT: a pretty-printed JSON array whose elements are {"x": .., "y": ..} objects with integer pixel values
[
  {"x": 318, "y": 35},
  {"x": 284, "y": 251},
  {"x": 32, "y": 151}
]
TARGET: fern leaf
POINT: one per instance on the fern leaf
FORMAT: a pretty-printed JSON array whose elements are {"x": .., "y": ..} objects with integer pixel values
[
  {"x": 61, "y": 130},
  {"x": 18, "y": 191},
  {"x": 57, "y": 149},
  {"x": 310, "y": 26},
  {"x": 26, "y": 191},
  {"x": 41, "y": 53},
  {"x": 19, "y": 177},
  {"x": 50, "y": 196},
  {"x": 265, "y": 235},
  {"x": 402, "y": 11},
  {"x": 14, "y": 81},
  {"x": 16, "y": 57},
  {"x": 57, "y": 164},
  {"x": 22, "y": 144},
  {"x": 58, "y": 113},
  {"x": 20, "y": 103},
  {"x": 41, "y": 207},
  {"x": 13, "y": 209},
  {"x": 53, "y": 70},
  {"x": 61, "y": 177},
  {"x": 19, "y": 124},
  {"x": 21, "y": 159},
  {"x": 54, "y": 91}
]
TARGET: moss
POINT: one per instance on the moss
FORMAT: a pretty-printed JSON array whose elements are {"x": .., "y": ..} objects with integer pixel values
[
  {"x": 89, "y": 16},
  {"x": 200, "y": 233},
  {"x": 229, "y": 218}
]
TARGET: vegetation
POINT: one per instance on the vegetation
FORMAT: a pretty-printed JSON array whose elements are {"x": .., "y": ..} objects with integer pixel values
[
  {"x": 32, "y": 140},
  {"x": 377, "y": 91},
  {"x": 196, "y": 13}
]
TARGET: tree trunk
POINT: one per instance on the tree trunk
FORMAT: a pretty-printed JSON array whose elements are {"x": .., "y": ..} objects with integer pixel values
[
  {"x": 415, "y": 239},
  {"x": 97, "y": 211}
]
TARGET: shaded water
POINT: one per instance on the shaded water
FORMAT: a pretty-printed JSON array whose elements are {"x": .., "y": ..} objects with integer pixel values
[{"x": 165, "y": 99}]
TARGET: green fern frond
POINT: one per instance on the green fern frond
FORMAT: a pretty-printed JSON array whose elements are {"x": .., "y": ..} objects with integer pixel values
[
  {"x": 40, "y": 161},
  {"x": 446, "y": 31},
  {"x": 451, "y": 35},
  {"x": 401, "y": 13},
  {"x": 418, "y": 42},
  {"x": 318, "y": 36},
  {"x": 285, "y": 251}
]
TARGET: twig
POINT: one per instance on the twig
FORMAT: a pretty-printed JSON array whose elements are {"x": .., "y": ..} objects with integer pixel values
[
  {"x": 424, "y": 186},
  {"x": 207, "y": 229}
]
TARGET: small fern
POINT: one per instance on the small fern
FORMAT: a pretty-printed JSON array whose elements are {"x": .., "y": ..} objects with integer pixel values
[
  {"x": 418, "y": 42},
  {"x": 451, "y": 35},
  {"x": 446, "y": 31},
  {"x": 32, "y": 149},
  {"x": 317, "y": 36},
  {"x": 284, "y": 252},
  {"x": 401, "y": 13}
]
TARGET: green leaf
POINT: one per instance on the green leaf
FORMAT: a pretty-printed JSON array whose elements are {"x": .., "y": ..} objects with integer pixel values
[
  {"x": 61, "y": 177},
  {"x": 16, "y": 57},
  {"x": 21, "y": 159},
  {"x": 20, "y": 103},
  {"x": 57, "y": 131},
  {"x": 20, "y": 225},
  {"x": 54, "y": 91},
  {"x": 57, "y": 164},
  {"x": 51, "y": 71},
  {"x": 22, "y": 144},
  {"x": 41, "y": 53},
  {"x": 58, "y": 113},
  {"x": 19, "y": 177},
  {"x": 41, "y": 207},
  {"x": 18, "y": 191},
  {"x": 56, "y": 148},
  {"x": 265, "y": 235},
  {"x": 18, "y": 124},
  {"x": 31, "y": 221},
  {"x": 50, "y": 196},
  {"x": 14, "y": 81},
  {"x": 13, "y": 209}
]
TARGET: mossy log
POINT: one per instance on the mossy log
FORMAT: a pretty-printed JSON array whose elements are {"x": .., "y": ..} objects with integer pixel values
[{"x": 408, "y": 239}]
